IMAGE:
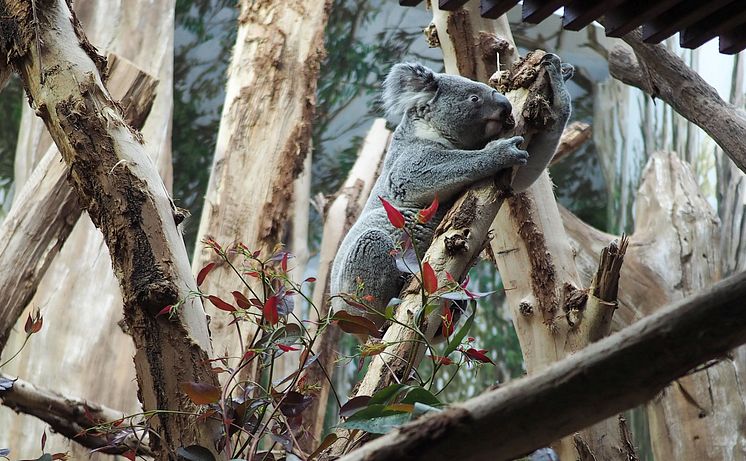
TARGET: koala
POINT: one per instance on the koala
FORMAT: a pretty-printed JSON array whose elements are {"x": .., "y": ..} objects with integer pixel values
[{"x": 449, "y": 138}]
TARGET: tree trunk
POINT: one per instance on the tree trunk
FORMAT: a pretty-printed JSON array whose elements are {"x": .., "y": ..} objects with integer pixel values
[
  {"x": 264, "y": 135},
  {"x": 582, "y": 389},
  {"x": 62, "y": 355},
  {"x": 340, "y": 216},
  {"x": 118, "y": 184},
  {"x": 530, "y": 244}
]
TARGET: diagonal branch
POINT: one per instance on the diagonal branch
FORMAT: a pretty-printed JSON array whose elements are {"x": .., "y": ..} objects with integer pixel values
[
  {"x": 661, "y": 74},
  {"x": 595, "y": 383},
  {"x": 71, "y": 417}
]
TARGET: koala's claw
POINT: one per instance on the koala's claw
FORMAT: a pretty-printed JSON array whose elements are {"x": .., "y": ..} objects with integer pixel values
[
  {"x": 568, "y": 71},
  {"x": 551, "y": 59}
]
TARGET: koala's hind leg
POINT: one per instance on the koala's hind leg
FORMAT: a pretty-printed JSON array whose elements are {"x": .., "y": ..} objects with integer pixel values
[{"x": 370, "y": 261}]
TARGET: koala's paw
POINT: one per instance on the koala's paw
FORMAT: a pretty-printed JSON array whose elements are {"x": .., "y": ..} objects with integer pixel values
[
  {"x": 509, "y": 152},
  {"x": 556, "y": 68}
]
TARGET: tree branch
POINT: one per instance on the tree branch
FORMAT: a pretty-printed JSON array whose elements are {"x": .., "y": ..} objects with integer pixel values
[
  {"x": 660, "y": 73},
  {"x": 595, "y": 383},
  {"x": 72, "y": 417}
]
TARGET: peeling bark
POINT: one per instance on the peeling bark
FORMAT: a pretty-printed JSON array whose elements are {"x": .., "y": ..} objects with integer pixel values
[
  {"x": 118, "y": 185},
  {"x": 264, "y": 136},
  {"x": 606, "y": 377}
]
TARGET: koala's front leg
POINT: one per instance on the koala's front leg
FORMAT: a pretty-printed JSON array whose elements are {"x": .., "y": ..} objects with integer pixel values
[
  {"x": 415, "y": 179},
  {"x": 544, "y": 143}
]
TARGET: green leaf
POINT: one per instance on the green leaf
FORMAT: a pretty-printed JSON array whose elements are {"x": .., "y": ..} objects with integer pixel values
[
  {"x": 462, "y": 332},
  {"x": 326, "y": 443},
  {"x": 379, "y": 425},
  {"x": 421, "y": 395},
  {"x": 387, "y": 394}
]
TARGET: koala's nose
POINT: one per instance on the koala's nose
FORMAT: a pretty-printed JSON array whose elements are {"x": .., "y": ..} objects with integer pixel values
[{"x": 502, "y": 103}]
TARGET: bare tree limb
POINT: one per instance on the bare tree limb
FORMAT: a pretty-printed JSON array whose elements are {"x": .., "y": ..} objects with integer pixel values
[
  {"x": 595, "y": 383},
  {"x": 47, "y": 208},
  {"x": 573, "y": 138},
  {"x": 72, "y": 417},
  {"x": 661, "y": 74}
]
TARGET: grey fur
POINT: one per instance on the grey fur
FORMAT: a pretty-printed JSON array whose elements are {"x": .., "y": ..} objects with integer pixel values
[{"x": 447, "y": 140}]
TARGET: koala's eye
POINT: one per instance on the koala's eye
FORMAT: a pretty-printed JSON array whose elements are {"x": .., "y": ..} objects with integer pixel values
[{"x": 474, "y": 98}]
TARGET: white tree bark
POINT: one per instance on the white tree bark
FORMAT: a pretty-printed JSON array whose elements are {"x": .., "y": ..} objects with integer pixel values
[{"x": 264, "y": 135}]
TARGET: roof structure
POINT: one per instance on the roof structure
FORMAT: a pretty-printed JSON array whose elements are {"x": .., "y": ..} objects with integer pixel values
[{"x": 697, "y": 21}]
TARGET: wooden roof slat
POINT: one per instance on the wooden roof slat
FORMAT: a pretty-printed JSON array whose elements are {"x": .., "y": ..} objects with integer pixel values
[
  {"x": 632, "y": 14},
  {"x": 733, "y": 41},
  {"x": 580, "y": 13},
  {"x": 409, "y": 2},
  {"x": 493, "y": 9},
  {"x": 535, "y": 11},
  {"x": 723, "y": 20},
  {"x": 677, "y": 18},
  {"x": 450, "y": 5}
]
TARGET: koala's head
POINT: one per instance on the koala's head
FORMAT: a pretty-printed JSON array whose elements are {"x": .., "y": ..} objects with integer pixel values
[{"x": 463, "y": 112}]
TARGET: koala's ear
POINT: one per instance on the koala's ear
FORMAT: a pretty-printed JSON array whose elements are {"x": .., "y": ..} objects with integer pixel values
[{"x": 408, "y": 85}]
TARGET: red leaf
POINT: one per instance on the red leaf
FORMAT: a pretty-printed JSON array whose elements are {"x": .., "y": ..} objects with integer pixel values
[
  {"x": 270, "y": 310},
  {"x": 203, "y": 273},
  {"x": 130, "y": 454},
  {"x": 253, "y": 274},
  {"x": 284, "y": 262},
  {"x": 43, "y": 440},
  {"x": 441, "y": 360},
  {"x": 447, "y": 325},
  {"x": 241, "y": 300},
  {"x": 310, "y": 280},
  {"x": 220, "y": 304},
  {"x": 164, "y": 311},
  {"x": 287, "y": 348},
  {"x": 248, "y": 355},
  {"x": 33, "y": 323},
  {"x": 427, "y": 214},
  {"x": 395, "y": 217},
  {"x": 478, "y": 355},
  {"x": 429, "y": 280},
  {"x": 356, "y": 324},
  {"x": 201, "y": 393}
]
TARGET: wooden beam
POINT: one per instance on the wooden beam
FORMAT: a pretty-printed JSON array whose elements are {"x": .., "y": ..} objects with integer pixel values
[
  {"x": 450, "y": 5},
  {"x": 734, "y": 41},
  {"x": 535, "y": 11},
  {"x": 632, "y": 14},
  {"x": 493, "y": 9},
  {"x": 721, "y": 21},
  {"x": 677, "y": 18},
  {"x": 580, "y": 13}
]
